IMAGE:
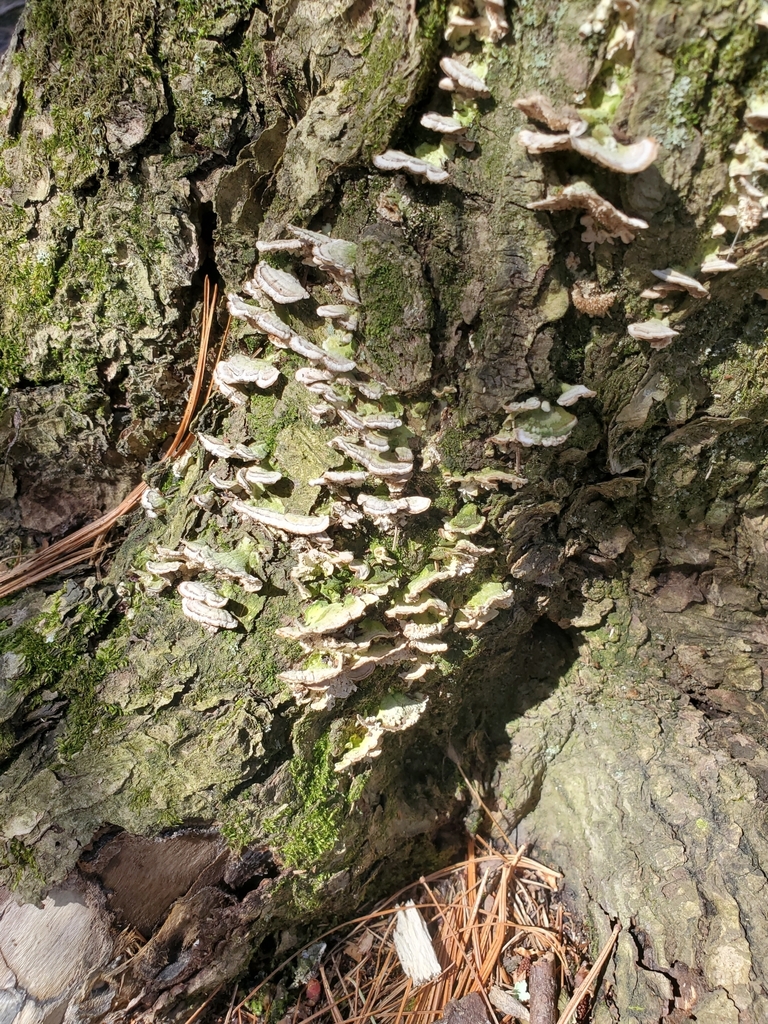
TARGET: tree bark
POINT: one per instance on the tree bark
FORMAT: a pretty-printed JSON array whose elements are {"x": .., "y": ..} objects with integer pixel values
[{"x": 160, "y": 778}]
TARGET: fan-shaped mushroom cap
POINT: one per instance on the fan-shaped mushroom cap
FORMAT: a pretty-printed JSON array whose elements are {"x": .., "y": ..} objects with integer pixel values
[
  {"x": 335, "y": 254},
  {"x": 541, "y": 142},
  {"x": 396, "y": 160},
  {"x": 579, "y": 195},
  {"x": 717, "y": 265},
  {"x": 538, "y": 108},
  {"x": 279, "y": 285},
  {"x": 287, "y": 522},
  {"x": 323, "y": 617},
  {"x": 262, "y": 319},
  {"x": 213, "y": 618},
  {"x": 630, "y": 159},
  {"x": 280, "y": 245},
  {"x": 656, "y": 332},
  {"x": 465, "y": 523},
  {"x": 440, "y": 123},
  {"x": 681, "y": 282},
  {"x": 381, "y": 466},
  {"x": 545, "y": 426},
  {"x": 243, "y": 369},
  {"x": 333, "y": 312},
  {"x": 464, "y": 79},
  {"x": 571, "y": 395},
  {"x": 483, "y": 606},
  {"x": 200, "y": 592},
  {"x": 258, "y": 477}
]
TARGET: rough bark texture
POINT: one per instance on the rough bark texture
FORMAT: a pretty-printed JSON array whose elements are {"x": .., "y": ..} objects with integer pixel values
[{"x": 617, "y": 707}]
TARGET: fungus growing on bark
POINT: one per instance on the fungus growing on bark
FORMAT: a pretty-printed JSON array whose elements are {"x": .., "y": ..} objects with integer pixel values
[
  {"x": 263, "y": 320},
  {"x": 233, "y": 565},
  {"x": 581, "y": 196},
  {"x": 631, "y": 159},
  {"x": 465, "y": 523},
  {"x": 538, "y": 108},
  {"x": 323, "y": 617},
  {"x": 387, "y": 468},
  {"x": 200, "y": 592},
  {"x": 256, "y": 477},
  {"x": 655, "y": 332},
  {"x": 280, "y": 245},
  {"x": 715, "y": 264},
  {"x": 538, "y": 143},
  {"x": 333, "y": 312},
  {"x": 487, "y": 479},
  {"x": 673, "y": 280},
  {"x": 286, "y": 522},
  {"x": 213, "y": 618},
  {"x": 243, "y": 369},
  {"x": 163, "y": 568},
  {"x": 530, "y": 425},
  {"x": 572, "y": 393},
  {"x": 281, "y": 286},
  {"x": 385, "y": 513},
  {"x": 396, "y": 160},
  {"x": 483, "y": 606},
  {"x": 588, "y": 298},
  {"x": 153, "y": 502},
  {"x": 756, "y": 116},
  {"x": 459, "y": 78}
]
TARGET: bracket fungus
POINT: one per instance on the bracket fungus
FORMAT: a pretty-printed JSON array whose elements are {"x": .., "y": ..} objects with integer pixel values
[
  {"x": 286, "y": 522},
  {"x": 153, "y": 502},
  {"x": 396, "y": 160},
  {"x": 673, "y": 280},
  {"x": 582, "y": 196},
  {"x": 571, "y": 394},
  {"x": 538, "y": 108},
  {"x": 281, "y": 286},
  {"x": 655, "y": 332},
  {"x": 714, "y": 264},
  {"x": 483, "y": 606},
  {"x": 323, "y": 617},
  {"x": 487, "y": 479},
  {"x": 538, "y": 424},
  {"x": 601, "y": 149},
  {"x": 459, "y": 78},
  {"x": 213, "y": 618},
  {"x": 200, "y": 592}
]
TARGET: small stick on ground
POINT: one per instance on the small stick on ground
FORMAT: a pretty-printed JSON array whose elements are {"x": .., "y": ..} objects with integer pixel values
[{"x": 543, "y": 986}]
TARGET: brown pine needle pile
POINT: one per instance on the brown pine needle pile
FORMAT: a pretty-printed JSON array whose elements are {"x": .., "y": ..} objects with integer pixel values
[{"x": 490, "y": 917}]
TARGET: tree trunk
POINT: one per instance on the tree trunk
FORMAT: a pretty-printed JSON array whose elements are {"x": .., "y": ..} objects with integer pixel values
[{"x": 163, "y": 778}]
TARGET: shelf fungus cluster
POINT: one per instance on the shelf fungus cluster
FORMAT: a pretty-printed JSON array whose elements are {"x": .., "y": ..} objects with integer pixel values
[
  {"x": 569, "y": 132},
  {"x": 464, "y": 82},
  {"x": 536, "y": 421},
  {"x": 360, "y": 610},
  {"x": 483, "y": 19}
]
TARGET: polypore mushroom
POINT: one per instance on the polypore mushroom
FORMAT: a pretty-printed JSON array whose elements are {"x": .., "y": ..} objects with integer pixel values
[
  {"x": 341, "y": 478},
  {"x": 655, "y": 332},
  {"x": 230, "y": 564},
  {"x": 323, "y": 617},
  {"x": 163, "y": 568},
  {"x": 386, "y": 467},
  {"x": 263, "y": 320},
  {"x": 280, "y": 245},
  {"x": 243, "y": 369},
  {"x": 255, "y": 476},
  {"x": 571, "y": 394},
  {"x": 286, "y": 522},
  {"x": 498, "y": 26},
  {"x": 427, "y": 603},
  {"x": 483, "y": 606},
  {"x": 281, "y": 286},
  {"x": 212, "y": 618},
  {"x": 579, "y": 195},
  {"x": 153, "y": 502},
  {"x": 544, "y": 425},
  {"x": 333, "y": 312},
  {"x": 539, "y": 108},
  {"x": 487, "y": 479},
  {"x": 396, "y": 160},
  {"x": 335, "y": 255},
  {"x": 714, "y": 264},
  {"x": 538, "y": 143},
  {"x": 465, "y": 523},
  {"x": 631, "y": 159},
  {"x": 675, "y": 281},
  {"x": 461, "y": 79},
  {"x": 200, "y": 592}
]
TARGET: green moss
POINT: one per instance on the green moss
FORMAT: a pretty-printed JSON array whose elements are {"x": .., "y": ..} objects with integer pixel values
[
  {"x": 304, "y": 834},
  {"x": 59, "y": 658},
  {"x": 17, "y": 858}
]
